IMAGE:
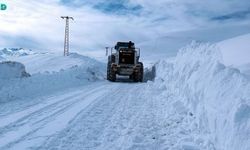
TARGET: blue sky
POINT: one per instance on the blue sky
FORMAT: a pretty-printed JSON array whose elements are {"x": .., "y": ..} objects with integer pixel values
[{"x": 36, "y": 24}]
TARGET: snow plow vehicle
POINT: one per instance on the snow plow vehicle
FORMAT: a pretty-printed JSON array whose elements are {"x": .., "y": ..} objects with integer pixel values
[{"x": 124, "y": 61}]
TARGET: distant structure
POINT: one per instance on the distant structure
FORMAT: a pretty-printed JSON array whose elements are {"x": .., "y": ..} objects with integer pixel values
[
  {"x": 107, "y": 48},
  {"x": 66, "y": 38}
]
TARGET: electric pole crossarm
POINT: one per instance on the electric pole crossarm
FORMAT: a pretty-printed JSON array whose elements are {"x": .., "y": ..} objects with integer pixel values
[{"x": 67, "y": 17}]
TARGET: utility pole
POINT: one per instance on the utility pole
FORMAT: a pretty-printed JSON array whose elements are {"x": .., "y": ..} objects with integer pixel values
[
  {"x": 107, "y": 48},
  {"x": 66, "y": 38}
]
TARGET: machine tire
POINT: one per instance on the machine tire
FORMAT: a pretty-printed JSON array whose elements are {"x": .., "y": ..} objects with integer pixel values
[
  {"x": 112, "y": 75},
  {"x": 108, "y": 71},
  {"x": 131, "y": 77},
  {"x": 113, "y": 58},
  {"x": 136, "y": 76}
]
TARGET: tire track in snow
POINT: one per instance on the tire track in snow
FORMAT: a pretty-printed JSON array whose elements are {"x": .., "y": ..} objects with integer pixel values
[
  {"x": 141, "y": 132},
  {"x": 112, "y": 123},
  {"x": 45, "y": 103},
  {"x": 92, "y": 121},
  {"x": 45, "y": 118},
  {"x": 112, "y": 116}
]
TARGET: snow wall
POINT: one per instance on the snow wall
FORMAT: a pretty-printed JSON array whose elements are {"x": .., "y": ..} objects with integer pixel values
[
  {"x": 48, "y": 82},
  {"x": 10, "y": 69},
  {"x": 218, "y": 96}
]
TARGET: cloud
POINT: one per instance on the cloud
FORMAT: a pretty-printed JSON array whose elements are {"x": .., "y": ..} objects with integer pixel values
[
  {"x": 119, "y": 7},
  {"x": 233, "y": 16},
  {"x": 101, "y": 23},
  {"x": 41, "y": 22}
]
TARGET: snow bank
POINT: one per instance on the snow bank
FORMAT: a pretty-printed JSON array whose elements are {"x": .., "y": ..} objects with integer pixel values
[
  {"x": 78, "y": 71},
  {"x": 9, "y": 70},
  {"x": 53, "y": 62},
  {"x": 48, "y": 83},
  {"x": 236, "y": 51},
  {"x": 217, "y": 95},
  {"x": 245, "y": 68},
  {"x": 149, "y": 73},
  {"x": 1, "y": 58}
]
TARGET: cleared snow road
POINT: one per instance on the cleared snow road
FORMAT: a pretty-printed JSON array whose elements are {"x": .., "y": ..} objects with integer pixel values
[
  {"x": 101, "y": 116},
  {"x": 98, "y": 116},
  {"x": 34, "y": 124}
]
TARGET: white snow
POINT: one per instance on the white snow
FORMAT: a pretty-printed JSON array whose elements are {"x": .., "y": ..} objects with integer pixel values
[
  {"x": 49, "y": 73},
  {"x": 54, "y": 62},
  {"x": 9, "y": 70},
  {"x": 1, "y": 58},
  {"x": 245, "y": 68},
  {"x": 60, "y": 122},
  {"x": 236, "y": 51},
  {"x": 218, "y": 96},
  {"x": 198, "y": 99},
  {"x": 15, "y": 52}
]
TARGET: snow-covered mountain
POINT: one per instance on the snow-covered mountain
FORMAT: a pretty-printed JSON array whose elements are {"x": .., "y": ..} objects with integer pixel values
[
  {"x": 1, "y": 58},
  {"x": 7, "y": 52}
]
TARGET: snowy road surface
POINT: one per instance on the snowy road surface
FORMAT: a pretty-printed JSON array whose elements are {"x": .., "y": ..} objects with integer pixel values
[
  {"x": 97, "y": 116},
  {"x": 102, "y": 116}
]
